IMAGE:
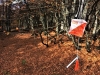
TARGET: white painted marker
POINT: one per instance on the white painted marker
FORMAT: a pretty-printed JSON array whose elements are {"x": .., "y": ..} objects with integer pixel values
[{"x": 72, "y": 62}]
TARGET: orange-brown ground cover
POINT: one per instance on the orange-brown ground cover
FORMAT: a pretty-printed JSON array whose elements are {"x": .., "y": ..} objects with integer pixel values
[{"x": 22, "y": 54}]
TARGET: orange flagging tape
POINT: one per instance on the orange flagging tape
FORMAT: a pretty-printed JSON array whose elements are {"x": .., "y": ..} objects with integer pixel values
[{"x": 77, "y": 65}]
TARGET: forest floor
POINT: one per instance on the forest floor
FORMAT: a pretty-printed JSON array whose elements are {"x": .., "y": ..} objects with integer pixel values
[{"x": 22, "y": 54}]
